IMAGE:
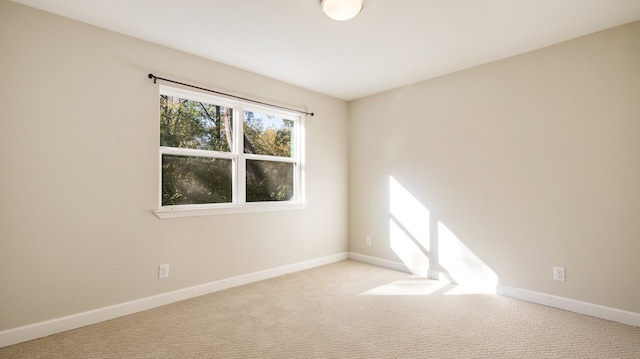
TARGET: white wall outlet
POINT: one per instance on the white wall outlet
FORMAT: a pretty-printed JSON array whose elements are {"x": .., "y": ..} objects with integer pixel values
[
  {"x": 559, "y": 274},
  {"x": 163, "y": 271},
  {"x": 368, "y": 241}
]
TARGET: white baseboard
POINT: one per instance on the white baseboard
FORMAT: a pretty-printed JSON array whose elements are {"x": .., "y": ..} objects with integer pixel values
[
  {"x": 576, "y": 306},
  {"x": 572, "y": 305},
  {"x": 385, "y": 263},
  {"x": 58, "y": 325},
  {"x": 399, "y": 266}
]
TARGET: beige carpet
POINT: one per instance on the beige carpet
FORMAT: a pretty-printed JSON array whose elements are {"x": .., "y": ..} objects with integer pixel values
[{"x": 343, "y": 310}]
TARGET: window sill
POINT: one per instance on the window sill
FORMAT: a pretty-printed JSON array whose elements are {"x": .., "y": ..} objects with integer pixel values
[{"x": 209, "y": 211}]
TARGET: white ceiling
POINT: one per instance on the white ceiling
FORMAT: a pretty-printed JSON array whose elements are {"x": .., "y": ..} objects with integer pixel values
[{"x": 390, "y": 44}]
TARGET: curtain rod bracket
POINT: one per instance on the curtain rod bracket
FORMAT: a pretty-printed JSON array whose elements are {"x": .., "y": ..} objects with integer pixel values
[{"x": 155, "y": 78}]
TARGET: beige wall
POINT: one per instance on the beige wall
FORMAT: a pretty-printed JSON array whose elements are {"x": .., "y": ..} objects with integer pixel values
[
  {"x": 79, "y": 157},
  {"x": 531, "y": 162}
]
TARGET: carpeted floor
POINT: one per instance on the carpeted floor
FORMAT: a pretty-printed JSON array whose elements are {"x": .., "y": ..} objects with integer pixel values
[{"x": 343, "y": 310}]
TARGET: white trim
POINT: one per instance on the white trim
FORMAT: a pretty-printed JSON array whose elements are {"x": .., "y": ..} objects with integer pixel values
[
  {"x": 441, "y": 276},
  {"x": 399, "y": 266},
  {"x": 58, "y": 325},
  {"x": 572, "y": 305},
  {"x": 207, "y": 210},
  {"x": 171, "y": 90},
  {"x": 257, "y": 157},
  {"x": 380, "y": 262},
  {"x": 189, "y": 152}
]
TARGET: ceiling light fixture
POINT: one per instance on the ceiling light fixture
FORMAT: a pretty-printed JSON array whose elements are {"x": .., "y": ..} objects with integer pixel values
[{"x": 341, "y": 10}]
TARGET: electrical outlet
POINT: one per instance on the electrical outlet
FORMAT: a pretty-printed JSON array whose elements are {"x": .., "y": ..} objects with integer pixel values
[
  {"x": 368, "y": 241},
  {"x": 559, "y": 274},
  {"x": 163, "y": 271}
]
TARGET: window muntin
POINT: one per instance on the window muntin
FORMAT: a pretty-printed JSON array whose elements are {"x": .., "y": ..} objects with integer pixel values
[{"x": 217, "y": 153}]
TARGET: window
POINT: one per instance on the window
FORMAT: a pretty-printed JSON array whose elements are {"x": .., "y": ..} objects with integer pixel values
[{"x": 219, "y": 156}]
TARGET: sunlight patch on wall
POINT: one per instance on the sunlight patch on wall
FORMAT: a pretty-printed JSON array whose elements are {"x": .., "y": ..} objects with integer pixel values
[
  {"x": 436, "y": 253},
  {"x": 409, "y": 212},
  {"x": 408, "y": 229},
  {"x": 463, "y": 265},
  {"x": 413, "y": 257}
]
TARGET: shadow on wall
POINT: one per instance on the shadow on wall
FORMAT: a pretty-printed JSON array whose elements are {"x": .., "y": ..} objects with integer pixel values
[{"x": 428, "y": 248}]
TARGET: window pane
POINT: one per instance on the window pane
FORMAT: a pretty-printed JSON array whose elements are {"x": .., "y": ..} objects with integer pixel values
[
  {"x": 267, "y": 135},
  {"x": 269, "y": 181},
  {"x": 195, "y": 180},
  {"x": 194, "y": 124}
]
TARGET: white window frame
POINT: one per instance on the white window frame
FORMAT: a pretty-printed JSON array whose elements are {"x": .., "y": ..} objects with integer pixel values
[{"x": 238, "y": 158}]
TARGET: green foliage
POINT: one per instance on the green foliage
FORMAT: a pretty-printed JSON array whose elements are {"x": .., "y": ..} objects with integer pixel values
[
  {"x": 195, "y": 180},
  {"x": 274, "y": 140},
  {"x": 201, "y": 126},
  {"x": 268, "y": 135},
  {"x": 195, "y": 125},
  {"x": 275, "y": 184}
]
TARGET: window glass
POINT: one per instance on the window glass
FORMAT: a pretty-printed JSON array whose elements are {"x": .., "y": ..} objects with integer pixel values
[
  {"x": 267, "y": 135},
  {"x": 195, "y": 180},
  {"x": 194, "y": 124},
  {"x": 269, "y": 181}
]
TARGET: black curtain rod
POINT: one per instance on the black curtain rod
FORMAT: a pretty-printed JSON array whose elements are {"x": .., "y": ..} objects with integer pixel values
[{"x": 155, "y": 78}]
